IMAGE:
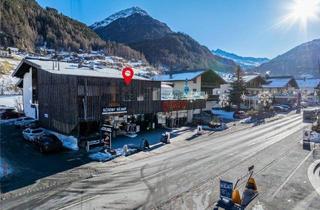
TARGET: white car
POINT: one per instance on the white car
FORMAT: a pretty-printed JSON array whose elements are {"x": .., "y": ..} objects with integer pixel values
[
  {"x": 30, "y": 134},
  {"x": 24, "y": 121}
]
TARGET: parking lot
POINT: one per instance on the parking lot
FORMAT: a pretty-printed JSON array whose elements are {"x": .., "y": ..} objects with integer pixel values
[{"x": 27, "y": 164}]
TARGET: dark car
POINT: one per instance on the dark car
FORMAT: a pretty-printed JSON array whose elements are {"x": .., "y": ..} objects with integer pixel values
[
  {"x": 280, "y": 109},
  {"x": 10, "y": 114},
  {"x": 49, "y": 143},
  {"x": 239, "y": 115}
]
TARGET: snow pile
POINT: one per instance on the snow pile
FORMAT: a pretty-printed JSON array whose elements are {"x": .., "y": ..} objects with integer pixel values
[
  {"x": 69, "y": 142},
  {"x": 119, "y": 151},
  {"x": 5, "y": 169},
  {"x": 100, "y": 156}
]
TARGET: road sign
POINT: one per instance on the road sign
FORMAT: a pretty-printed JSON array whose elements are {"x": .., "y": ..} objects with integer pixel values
[{"x": 226, "y": 189}]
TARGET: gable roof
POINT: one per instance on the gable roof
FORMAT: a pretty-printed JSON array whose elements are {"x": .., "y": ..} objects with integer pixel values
[
  {"x": 279, "y": 82},
  {"x": 66, "y": 68},
  {"x": 248, "y": 78}
]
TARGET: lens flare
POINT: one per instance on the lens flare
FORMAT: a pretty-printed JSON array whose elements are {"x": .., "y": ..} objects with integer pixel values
[{"x": 302, "y": 12}]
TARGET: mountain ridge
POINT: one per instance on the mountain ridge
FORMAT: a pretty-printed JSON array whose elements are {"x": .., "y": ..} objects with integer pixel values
[
  {"x": 246, "y": 62},
  {"x": 302, "y": 59},
  {"x": 162, "y": 46},
  {"x": 27, "y": 26}
]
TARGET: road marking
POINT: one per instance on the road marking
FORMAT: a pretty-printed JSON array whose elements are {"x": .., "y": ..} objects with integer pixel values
[
  {"x": 292, "y": 173},
  {"x": 79, "y": 202}
]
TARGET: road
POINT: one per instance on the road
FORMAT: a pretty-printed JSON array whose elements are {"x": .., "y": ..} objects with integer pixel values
[{"x": 185, "y": 174}]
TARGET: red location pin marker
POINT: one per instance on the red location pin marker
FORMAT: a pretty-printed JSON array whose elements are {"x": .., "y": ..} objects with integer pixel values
[{"x": 127, "y": 74}]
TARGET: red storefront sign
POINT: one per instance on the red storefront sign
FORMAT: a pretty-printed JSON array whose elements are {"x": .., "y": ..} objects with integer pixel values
[{"x": 168, "y": 106}]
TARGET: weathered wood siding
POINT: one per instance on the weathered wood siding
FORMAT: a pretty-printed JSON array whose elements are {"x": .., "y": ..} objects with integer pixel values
[
  {"x": 69, "y": 99},
  {"x": 57, "y": 98}
]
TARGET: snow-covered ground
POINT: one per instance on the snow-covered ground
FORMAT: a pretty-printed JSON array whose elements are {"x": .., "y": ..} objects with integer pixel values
[
  {"x": 69, "y": 142},
  {"x": 10, "y": 100}
]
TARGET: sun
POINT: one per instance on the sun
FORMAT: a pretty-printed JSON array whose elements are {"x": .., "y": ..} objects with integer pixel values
[{"x": 303, "y": 12}]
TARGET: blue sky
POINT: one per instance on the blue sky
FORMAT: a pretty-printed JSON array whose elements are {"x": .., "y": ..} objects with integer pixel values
[{"x": 245, "y": 27}]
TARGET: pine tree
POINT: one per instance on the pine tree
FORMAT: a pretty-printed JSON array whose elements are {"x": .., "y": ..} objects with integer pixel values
[{"x": 237, "y": 88}]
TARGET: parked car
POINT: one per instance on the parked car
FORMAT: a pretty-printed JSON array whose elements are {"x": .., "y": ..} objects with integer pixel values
[
  {"x": 30, "y": 134},
  {"x": 24, "y": 122},
  {"x": 304, "y": 104},
  {"x": 259, "y": 122},
  {"x": 286, "y": 106},
  {"x": 239, "y": 115},
  {"x": 10, "y": 114},
  {"x": 48, "y": 143},
  {"x": 216, "y": 127},
  {"x": 248, "y": 120},
  {"x": 280, "y": 109}
]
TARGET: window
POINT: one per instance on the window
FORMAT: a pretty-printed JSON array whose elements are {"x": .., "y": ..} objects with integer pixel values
[
  {"x": 194, "y": 90},
  {"x": 140, "y": 98},
  {"x": 156, "y": 94}
]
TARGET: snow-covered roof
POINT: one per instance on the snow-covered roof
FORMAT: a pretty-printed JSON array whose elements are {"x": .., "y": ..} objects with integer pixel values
[
  {"x": 277, "y": 82},
  {"x": 72, "y": 69},
  {"x": 248, "y": 78},
  {"x": 227, "y": 77},
  {"x": 179, "y": 76},
  {"x": 308, "y": 83}
]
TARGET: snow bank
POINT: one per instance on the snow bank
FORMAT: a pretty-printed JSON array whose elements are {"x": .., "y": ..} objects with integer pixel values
[
  {"x": 100, "y": 156},
  {"x": 5, "y": 169},
  {"x": 69, "y": 142}
]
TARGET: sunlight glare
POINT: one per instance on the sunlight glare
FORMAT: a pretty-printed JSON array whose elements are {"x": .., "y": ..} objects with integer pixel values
[{"x": 302, "y": 12}]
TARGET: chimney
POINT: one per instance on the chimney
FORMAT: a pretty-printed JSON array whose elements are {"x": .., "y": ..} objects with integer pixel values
[
  {"x": 80, "y": 64},
  {"x": 92, "y": 65}
]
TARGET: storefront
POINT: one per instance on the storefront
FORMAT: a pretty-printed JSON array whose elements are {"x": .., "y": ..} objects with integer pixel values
[{"x": 176, "y": 113}]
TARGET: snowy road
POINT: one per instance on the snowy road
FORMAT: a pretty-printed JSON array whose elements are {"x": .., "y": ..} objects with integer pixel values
[{"x": 185, "y": 174}]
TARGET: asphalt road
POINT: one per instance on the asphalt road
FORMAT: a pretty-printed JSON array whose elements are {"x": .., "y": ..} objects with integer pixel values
[{"x": 185, "y": 174}]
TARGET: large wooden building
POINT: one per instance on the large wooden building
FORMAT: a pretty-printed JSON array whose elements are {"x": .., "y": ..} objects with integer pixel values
[{"x": 73, "y": 99}]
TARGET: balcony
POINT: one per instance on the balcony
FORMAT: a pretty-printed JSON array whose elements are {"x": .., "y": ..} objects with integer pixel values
[{"x": 180, "y": 95}]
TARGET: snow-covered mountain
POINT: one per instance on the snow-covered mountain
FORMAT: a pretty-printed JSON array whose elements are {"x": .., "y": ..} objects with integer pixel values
[
  {"x": 244, "y": 62},
  {"x": 121, "y": 14}
]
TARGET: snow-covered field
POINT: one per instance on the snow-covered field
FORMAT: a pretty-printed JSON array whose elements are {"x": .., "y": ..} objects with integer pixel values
[{"x": 10, "y": 100}]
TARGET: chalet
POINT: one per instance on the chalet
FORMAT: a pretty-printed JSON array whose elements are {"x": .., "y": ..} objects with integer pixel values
[
  {"x": 75, "y": 100},
  {"x": 253, "y": 88},
  {"x": 309, "y": 89},
  {"x": 283, "y": 88},
  {"x": 196, "y": 86}
]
